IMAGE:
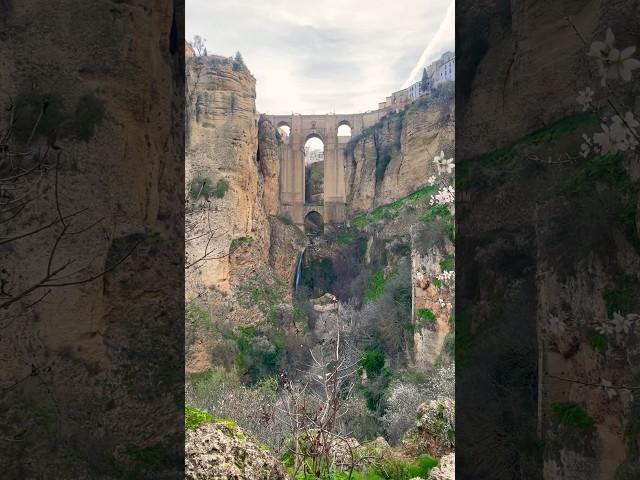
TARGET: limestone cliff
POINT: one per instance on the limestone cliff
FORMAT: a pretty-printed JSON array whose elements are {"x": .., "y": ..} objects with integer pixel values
[
  {"x": 394, "y": 157},
  {"x": 105, "y": 148},
  {"x": 573, "y": 262},
  {"x": 236, "y": 245},
  {"x": 224, "y": 183}
]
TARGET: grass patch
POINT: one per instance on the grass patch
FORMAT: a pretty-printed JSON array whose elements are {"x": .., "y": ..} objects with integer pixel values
[
  {"x": 447, "y": 263},
  {"x": 240, "y": 242},
  {"x": 121, "y": 247},
  {"x": 500, "y": 160},
  {"x": 375, "y": 287},
  {"x": 425, "y": 317},
  {"x": 194, "y": 417},
  {"x": 572, "y": 415},
  {"x": 362, "y": 220},
  {"x": 437, "y": 282}
]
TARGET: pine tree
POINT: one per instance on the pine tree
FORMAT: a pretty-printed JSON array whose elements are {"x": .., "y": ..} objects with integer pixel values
[{"x": 424, "y": 83}]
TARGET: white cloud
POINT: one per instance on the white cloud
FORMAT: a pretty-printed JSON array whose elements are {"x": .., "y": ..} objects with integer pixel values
[
  {"x": 329, "y": 56},
  {"x": 444, "y": 40}
]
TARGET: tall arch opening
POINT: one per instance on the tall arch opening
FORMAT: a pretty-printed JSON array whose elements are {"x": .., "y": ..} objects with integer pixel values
[
  {"x": 314, "y": 170},
  {"x": 284, "y": 130},
  {"x": 313, "y": 223},
  {"x": 344, "y": 130}
]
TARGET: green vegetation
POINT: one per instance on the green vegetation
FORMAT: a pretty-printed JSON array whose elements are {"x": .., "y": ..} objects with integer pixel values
[
  {"x": 362, "y": 220},
  {"x": 502, "y": 160},
  {"x": 375, "y": 287},
  {"x": 391, "y": 469},
  {"x": 618, "y": 300},
  {"x": 599, "y": 168},
  {"x": 266, "y": 294},
  {"x": 194, "y": 417},
  {"x": 203, "y": 187},
  {"x": 345, "y": 238},
  {"x": 442, "y": 214},
  {"x": 437, "y": 282},
  {"x": 372, "y": 362},
  {"x": 598, "y": 343},
  {"x": 425, "y": 317},
  {"x": 259, "y": 352},
  {"x": 572, "y": 415},
  {"x": 147, "y": 460},
  {"x": 447, "y": 263},
  {"x": 238, "y": 62},
  {"x": 239, "y": 242}
]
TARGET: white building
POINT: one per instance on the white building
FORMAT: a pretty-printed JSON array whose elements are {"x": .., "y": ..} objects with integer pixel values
[
  {"x": 413, "y": 91},
  {"x": 443, "y": 69}
]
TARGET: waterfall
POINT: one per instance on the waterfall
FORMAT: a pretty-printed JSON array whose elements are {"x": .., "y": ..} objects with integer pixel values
[{"x": 299, "y": 270}]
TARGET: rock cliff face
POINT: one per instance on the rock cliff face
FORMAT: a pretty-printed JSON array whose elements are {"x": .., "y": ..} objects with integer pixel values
[
  {"x": 76, "y": 356},
  {"x": 394, "y": 157},
  {"x": 572, "y": 259},
  {"x": 224, "y": 182}
]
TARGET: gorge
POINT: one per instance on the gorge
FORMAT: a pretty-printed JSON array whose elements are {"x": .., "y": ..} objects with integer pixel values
[{"x": 265, "y": 299}]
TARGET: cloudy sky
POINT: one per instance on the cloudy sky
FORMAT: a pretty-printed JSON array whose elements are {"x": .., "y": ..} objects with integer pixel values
[{"x": 328, "y": 55}]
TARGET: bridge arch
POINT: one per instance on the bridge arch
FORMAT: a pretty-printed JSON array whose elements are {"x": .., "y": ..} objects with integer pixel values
[
  {"x": 284, "y": 128},
  {"x": 314, "y": 151},
  {"x": 344, "y": 129},
  {"x": 333, "y": 207},
  {"x": 313, "y": 223}
]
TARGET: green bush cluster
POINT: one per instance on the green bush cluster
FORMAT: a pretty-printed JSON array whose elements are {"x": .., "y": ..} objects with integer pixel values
[
  {"x": 573, "y": 415},
  {"x": 372, "y": 362},
  {"x": 375, "y": 287},
  {"x": 447, "y": 263},
  {"x": 259, "y": 352},
  {"x": 203, "y": 187},
  {"x": 194, "y": 417}
]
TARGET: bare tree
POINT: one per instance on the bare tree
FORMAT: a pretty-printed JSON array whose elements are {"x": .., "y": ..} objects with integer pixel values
[
  {"x": 199, "y": 45},
  {"x": 314, "y": 407}
]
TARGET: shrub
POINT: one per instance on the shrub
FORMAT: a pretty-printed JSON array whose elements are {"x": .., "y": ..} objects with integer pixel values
[
  {"x": 425, "y": 317},
  {"x": 194, "y": 417},
  {"x": 572, "y": 415},
  {"x": 447, "y": 263},
  {"x": 598, "y": 343},
  {"x": 203, "y": 187},
  {"x": 375, "y": 287},
  {"x": 372, "y": 362}
]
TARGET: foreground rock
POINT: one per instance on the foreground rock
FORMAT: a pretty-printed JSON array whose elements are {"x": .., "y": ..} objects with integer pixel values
[
  {"x": 434, "y": 431},
  {"x": 216, "y": 451},
  {"x": 446, "y": 469}
]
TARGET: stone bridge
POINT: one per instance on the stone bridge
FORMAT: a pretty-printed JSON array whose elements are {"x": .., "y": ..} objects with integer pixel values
[{"x": 292, "y": 161}]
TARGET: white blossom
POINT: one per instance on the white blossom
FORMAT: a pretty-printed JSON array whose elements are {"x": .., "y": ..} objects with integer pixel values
[
  {"x": 585, "y": 97},
  {"x": 444, "y": 196},
  {"x": 612, "y": 62},
  {"x": 443, "y": 164},
  {"x": 431, "y": 180},
  {"x": 620, "y": 136}
]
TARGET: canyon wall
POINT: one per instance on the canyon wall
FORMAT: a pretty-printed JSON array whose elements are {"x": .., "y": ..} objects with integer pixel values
[
  {"x": 95, "y": 168},
  {"x": 395, "y": 157},
  {"x": 571, "y": 238}
]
